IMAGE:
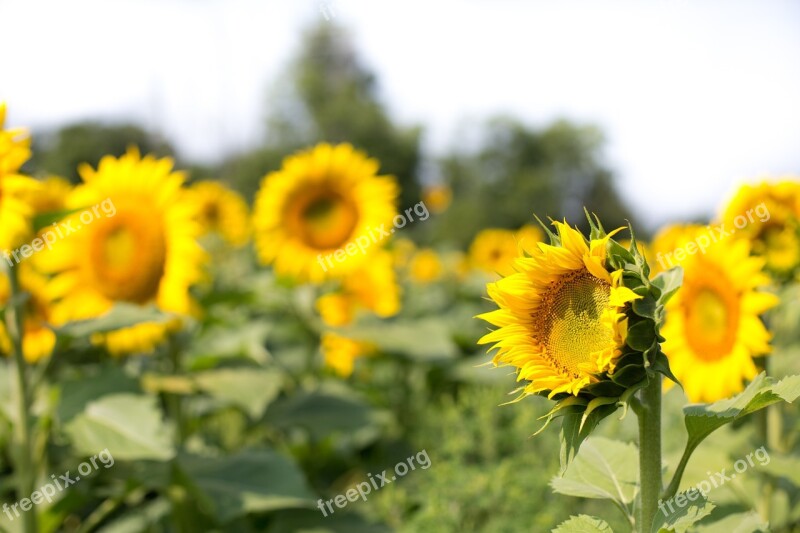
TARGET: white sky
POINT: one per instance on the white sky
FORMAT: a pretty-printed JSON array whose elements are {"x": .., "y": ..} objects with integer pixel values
[{"x": 694, "y": 95}]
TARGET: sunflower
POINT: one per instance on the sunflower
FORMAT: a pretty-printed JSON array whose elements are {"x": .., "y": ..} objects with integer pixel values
[
  {"x": 222, "y": 211},
  {"x": 437, "y": 197},
  {"x": 336, "y": 309},
  {"x": 425, "y": 267},
  {"x": 51, "y": 197},
  {"x": 143, "y": 252},
  {"x": 15, "y": 213},
  {"x": 309, "y": 215},
  {"x": 372, "y": 287},
  {"x": 38, "y": 339},
  {"x": 340, "y": 353},
  {"x": 712, "y": 326},
  {"x": 493, "y": 251},
  {"x": 402, "y": 251},
  {"x": 768, "y": 214},
  {"x": 562, "y": 321},
  {"x": 528, "y": 237}
]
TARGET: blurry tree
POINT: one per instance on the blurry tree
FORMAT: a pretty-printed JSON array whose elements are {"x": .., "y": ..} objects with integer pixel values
[
  {"x": 329, "y": 95},
  {"x": 516, "y": 172},
  {"x": 61, "y": 152}
]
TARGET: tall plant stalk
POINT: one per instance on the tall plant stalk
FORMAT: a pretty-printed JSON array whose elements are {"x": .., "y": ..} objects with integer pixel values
[
  {"x": 25, "y": 472},
  {"x": 649, "y": 416}
]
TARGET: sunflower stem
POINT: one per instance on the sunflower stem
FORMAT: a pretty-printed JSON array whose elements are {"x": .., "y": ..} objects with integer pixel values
[
  {"x": 649, "y": 452},
  {"x": 26, "y": 473}
]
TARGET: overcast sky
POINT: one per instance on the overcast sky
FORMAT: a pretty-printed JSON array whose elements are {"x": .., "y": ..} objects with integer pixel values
[{"x": 694, "y": 95}]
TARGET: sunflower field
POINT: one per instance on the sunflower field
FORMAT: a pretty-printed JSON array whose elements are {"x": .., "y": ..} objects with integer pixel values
[{"x": 310, "y": 338}]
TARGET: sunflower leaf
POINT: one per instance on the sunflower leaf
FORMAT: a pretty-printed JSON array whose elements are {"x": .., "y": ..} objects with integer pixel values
[
  {"x": 129, "y": 426},
  {"x": 605, "y": 470},
  {"x": 681, "y": 512},
  {"x": 120, "y": 316},
  {"x": 668, "y": 284},
  {"x": 583, "y": 524},
  {"x": 703, "y": 419},
  {"x": 574, "y": 430},
  {"x": 748, "y": 522}
]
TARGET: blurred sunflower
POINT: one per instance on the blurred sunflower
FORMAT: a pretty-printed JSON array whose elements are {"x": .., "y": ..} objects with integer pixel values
[
  {"x": 712, "y": 326},
  {"x": 768, "y": 214},
  {"x": 336, "y": 309},
  {"x": 143, "y": 252},
  {"x": 437, "y": 197},
  {"x": 425, "y": 267},
  {"x": 372, "y": 287},
  {"x": 15, "y": 213},
  {"x": 51, "y": 197},
  {"x": 340, "y": 353},
  {"x": 528, "y": 236},
  {"x": 402, "y": 251},
  {"x": 562, "y": 319},
  {"x": 49, "y": 201},
  {"x": 222, "y": 211},
  {"x": 493, "y": 251},
  {"x": 38, "y": 339},
  {"x": 317, "y": 205}
]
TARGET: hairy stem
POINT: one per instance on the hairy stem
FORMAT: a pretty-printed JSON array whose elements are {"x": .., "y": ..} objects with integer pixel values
[{"x": 649, "y": 452}]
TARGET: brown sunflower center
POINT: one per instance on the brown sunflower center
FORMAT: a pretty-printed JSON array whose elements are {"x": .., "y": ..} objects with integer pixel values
[
  {"x": 322, "y": 218},
  {"x": 568, "y": 320},
  {"x": 711, "y": 314},
  {"x": 211, "y": 213},
  {"x": 127, "y": 256}
]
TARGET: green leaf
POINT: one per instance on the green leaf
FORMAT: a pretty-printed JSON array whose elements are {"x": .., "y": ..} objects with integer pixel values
[
  {"x": 250, "y": 481},
  {"x": 748, "y": 522},
  {"x": 143, "y": 518},
  {"x": 43, "y": 220},
  {"x": 252, "y": 389},
  {"x": 575, "y": 429},
  {"x": 702, "y": 419},
  {"x": 77, "y": 393},
  {"x": 641, "y": 335},
  {"x": 424, "y": 340},
  {"x": 583, "y": 524},
  {"x": 783, "y": 466},
  {"x": 122, "y": 315},
  {"x": 679, "y": 518},
  {"x": 645, "y": 307},
  {"x": 129, "y": 425},
  {"x": 313, "y": 521},
  {"x": 604, "y": 469},
  {"x": 322, "y": 412},
  {"x": 229, "y": 340},
  {"x": 668, "y": 283}
]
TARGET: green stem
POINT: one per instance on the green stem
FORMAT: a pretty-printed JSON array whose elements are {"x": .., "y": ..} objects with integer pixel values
[
  {"x": 26, "y": 474},
  {"x": 672, "y": 488},
  {"x": 650, "y": 452},
  {"x": 175, "y": 401},
  {"x": 770, "y": 428}
]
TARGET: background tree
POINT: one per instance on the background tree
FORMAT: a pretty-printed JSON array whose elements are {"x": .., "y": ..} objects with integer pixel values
[
  {"x": 329, "y": 95},
  {"x": 62, "y": 151},
  {"x": 516, "y": 171}
]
